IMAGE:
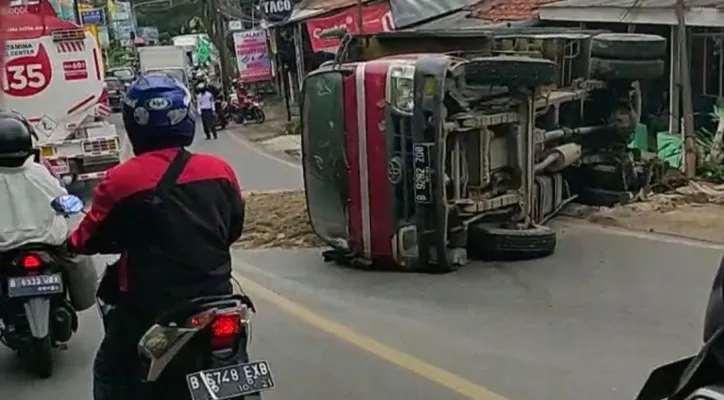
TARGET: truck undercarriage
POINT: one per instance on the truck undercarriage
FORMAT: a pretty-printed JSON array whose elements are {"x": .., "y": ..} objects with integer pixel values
[{"x": 513, "y": 125}]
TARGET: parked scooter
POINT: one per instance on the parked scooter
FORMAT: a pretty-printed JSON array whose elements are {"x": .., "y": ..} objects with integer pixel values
[
  {"x": 36, "y": 313},
  {"x": 248, "y": 110},
  {"x": 701, "y": 376}
]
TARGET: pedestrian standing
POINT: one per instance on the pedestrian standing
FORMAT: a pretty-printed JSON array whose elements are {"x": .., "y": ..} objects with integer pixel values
[{"x": 205, "y": 102}]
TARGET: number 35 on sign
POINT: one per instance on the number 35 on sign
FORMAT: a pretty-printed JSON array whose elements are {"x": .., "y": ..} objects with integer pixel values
[{"x": 27, "y": 75}]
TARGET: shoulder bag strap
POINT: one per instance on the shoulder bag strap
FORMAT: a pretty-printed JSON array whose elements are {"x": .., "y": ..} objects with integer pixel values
[{"x": 175, "y": 168}]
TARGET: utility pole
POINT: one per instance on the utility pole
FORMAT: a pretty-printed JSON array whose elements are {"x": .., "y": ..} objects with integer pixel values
[
  {"x": 217, "y": 34},
  {"x": 685, "y": 90}
]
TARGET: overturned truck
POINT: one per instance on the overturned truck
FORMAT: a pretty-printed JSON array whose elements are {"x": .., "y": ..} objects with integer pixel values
[{"x": 424, "y": 148}]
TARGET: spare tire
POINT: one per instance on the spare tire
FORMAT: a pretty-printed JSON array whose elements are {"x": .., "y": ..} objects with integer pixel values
[
  {"x": 486, "y": 242},
  {"x": 629, "y": 46},
  {"x": 513, "y": 71},
  {"x": 626, "y": 70},
  {"x": 602, "y": 197}
]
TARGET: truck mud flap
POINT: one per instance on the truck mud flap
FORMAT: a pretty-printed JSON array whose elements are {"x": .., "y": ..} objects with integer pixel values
[{"x": 428, "y": 147}]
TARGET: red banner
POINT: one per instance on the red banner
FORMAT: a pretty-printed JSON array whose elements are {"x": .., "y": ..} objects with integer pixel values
[{"x": 375, "y": 19}]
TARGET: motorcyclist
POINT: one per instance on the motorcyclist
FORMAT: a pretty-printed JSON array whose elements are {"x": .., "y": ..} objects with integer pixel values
[
  {"x": 172, "y": 215},
  {"x": 243, "y": 98},
  {"x": 26, "y": 190}
]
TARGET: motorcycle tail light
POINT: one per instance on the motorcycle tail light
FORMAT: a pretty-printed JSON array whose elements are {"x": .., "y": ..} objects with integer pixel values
[
  {"x": 31, "y": 261},
  {"x": 226, "y": 325},
  {"x": 226, "y": 328}
]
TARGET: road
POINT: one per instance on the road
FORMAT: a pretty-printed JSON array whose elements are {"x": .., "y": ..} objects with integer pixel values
[{"x": 588, "y": 322}]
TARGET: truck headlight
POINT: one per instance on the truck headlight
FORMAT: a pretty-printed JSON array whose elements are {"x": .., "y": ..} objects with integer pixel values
[{"x": 400, "y": 88}]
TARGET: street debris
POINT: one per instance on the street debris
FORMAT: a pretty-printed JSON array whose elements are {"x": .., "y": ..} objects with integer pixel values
[
  {"x": 277, "y": 219},
  {"x": 694, "y": 211}
]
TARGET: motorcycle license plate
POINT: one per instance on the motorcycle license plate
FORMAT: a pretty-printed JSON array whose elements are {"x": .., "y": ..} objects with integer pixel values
[
  {"x": 231, "y": 381},
  {"x": 38, "y": 285}
]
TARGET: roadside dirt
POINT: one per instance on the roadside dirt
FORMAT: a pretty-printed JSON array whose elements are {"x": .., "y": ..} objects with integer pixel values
[
  {"x": 695, "y": 211},
  {"x": 277, "y": 219}
]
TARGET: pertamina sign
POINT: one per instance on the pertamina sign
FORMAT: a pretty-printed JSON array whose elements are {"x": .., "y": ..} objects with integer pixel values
[{"x": 276, "y": 11}]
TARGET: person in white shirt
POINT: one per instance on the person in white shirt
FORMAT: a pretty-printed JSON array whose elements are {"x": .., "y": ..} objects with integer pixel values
[
  {"x": 26, "y": 218},
  {"x": 205, "y": 103}
]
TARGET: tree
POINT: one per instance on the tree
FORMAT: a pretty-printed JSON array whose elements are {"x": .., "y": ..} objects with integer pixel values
[{"x": 177, "y": 21}]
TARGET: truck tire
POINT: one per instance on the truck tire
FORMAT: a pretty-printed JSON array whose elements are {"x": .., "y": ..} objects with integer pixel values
[
  {"x": 503, "y": 244},
  {"x": 602, "y": 197},
  {"x": 514, "y": 71},
  {"x": 626, "y": 70},
  {"x": 628, "y": 46},
  {"x": 611, "y": 177}
]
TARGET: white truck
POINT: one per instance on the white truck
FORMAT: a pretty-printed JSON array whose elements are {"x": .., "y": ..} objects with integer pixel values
[
  {"x": 168, "y": 59},
  {"x": 53, "y": 74}
]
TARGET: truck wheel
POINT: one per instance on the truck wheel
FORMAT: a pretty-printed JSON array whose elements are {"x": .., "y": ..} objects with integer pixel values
[
  {"x": 602, "y": 197},
  {"x": 611, "y": 177},
  {"x": 626, "y": 70},
  {"x": 510, "y": 71},
  {"x": 628, "y": 46},
  {"x": 504, "y": 244}
]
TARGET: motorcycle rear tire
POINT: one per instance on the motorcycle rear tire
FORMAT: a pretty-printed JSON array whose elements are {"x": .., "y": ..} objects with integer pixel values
[
  {"x": 259, "y": 116},
  {"x": 39, "y": 357}
]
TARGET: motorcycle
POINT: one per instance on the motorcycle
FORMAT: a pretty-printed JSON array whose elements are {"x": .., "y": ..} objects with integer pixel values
[
  {"x": 698, "y": 377},
  {"x": 34, "y": 308},
  {"x": 203, "y": 342},
  {"x": 249, "y": 110}
]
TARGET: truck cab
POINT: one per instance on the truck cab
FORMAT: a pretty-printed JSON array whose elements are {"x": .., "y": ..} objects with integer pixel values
[{"x": 54, "y": 77}]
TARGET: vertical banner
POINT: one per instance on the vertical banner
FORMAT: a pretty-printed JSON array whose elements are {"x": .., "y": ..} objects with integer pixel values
[{"x": 252, "y": 56}]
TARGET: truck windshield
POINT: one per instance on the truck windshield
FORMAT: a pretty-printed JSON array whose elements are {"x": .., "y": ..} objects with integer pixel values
[
  {"x": 176, "y": 73},
  {"x": 122, "y": 73},
  {"x": 325, "y": 171}
]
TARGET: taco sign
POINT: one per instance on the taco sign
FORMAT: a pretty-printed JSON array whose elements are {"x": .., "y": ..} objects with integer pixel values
[{"x": 276, "y": 11}]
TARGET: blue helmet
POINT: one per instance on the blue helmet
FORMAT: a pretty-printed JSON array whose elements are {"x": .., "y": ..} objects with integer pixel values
[{"x": 158, "y": 114}]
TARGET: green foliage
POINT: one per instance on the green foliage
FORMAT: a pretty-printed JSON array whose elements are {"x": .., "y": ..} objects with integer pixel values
[
  {"x": 117, "y": 55},
  {"x": 709, "y": 170},
  {"x": 174, "y": 21}
]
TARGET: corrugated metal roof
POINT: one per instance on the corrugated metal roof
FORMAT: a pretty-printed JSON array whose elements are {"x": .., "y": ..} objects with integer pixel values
[
  {"x": 509, "y": 10},
  {"x": 634, "y": 3},
  {"x": 410, "y": 12},
  {"x": 312, "y": 8}
]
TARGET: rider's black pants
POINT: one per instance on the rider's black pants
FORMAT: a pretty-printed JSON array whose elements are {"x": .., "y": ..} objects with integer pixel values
[{"x": 116, "y": 367}]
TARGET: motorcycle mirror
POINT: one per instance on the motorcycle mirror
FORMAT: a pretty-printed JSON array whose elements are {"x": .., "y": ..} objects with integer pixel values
[{"x": 67, "y": 205}]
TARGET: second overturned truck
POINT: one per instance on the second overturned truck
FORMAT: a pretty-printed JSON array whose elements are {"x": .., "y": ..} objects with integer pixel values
[{"x": 421, "y": 148}]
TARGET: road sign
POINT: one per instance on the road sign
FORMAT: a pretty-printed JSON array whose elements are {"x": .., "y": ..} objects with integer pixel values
[
  {"x": 95, "y": 16},
  {"x": 46, "y": 125}
]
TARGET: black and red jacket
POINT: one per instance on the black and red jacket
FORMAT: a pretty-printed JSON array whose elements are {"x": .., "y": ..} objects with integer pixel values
[{"x": 182, "y": 252}]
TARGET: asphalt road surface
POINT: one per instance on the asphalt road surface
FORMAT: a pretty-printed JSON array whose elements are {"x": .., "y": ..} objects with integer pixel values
[{"x": 588, "y": 322}]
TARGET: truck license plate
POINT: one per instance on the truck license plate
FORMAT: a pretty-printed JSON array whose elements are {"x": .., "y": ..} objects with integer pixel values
[
  {"x": 35, "y": 285},
  {"x": 230, "y": 382},
  {"x": 421, "y": 168}
]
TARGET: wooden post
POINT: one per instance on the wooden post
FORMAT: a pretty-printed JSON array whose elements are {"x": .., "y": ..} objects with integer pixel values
[
  {"x": 674, "y": 84},
  {"x": 686, "y": 96}
]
